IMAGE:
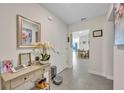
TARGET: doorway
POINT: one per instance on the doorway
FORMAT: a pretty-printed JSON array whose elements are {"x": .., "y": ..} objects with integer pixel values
[{"x": 81, "y": 45}]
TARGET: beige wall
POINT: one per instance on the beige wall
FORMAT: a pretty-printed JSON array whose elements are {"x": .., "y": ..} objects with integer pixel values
[{"x": 53, "y": 31}]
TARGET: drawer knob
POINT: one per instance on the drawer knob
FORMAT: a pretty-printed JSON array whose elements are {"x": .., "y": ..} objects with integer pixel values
[{"x": 25, "y": 78}]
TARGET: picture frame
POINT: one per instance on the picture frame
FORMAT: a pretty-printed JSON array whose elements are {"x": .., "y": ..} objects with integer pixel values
[
  {"x": 97, "y": 33},
  {"x": 71, "y": 40},
  {"x": 28, "y": 32},
  {"x": 25, "y": 59},
  {"x": 6, "y": 66},
  {"x": 68, "y": 39},
  {"x": 119, "y": 24}
]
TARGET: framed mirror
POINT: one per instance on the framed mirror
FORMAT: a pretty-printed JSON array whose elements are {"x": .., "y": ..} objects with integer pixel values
[
  {"x": 28, "y": 32},
  {"x": 25, "y": 59}
]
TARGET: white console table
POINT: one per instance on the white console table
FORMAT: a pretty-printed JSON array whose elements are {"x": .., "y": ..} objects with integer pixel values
[{"x": 15, "y": 79}]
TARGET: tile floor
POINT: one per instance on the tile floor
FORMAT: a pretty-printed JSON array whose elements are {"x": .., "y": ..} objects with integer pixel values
[{"x": 78, "y": 78}]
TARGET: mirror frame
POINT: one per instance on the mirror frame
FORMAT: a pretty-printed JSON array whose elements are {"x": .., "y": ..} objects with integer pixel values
[{"x": 19, "y": 31}]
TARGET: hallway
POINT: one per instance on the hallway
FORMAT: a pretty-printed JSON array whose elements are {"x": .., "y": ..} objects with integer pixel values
[{"x": 78, "y": 78}]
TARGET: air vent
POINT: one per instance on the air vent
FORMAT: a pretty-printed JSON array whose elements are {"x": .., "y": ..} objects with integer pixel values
[{"x": 83, "y": 18}]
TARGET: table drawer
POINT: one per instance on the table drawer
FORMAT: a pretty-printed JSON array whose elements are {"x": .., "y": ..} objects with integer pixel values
[
  {"x": 17, "y": 81},
  {"x": 45, "y": 69},
  {"x": 37, "y": 74},
  {"x": 29, "y": 76}
]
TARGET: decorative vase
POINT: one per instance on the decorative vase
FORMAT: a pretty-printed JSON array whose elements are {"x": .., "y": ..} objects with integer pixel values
[
  {"x": 44, "y": 62},
  {"x": 37, "y": 58}
]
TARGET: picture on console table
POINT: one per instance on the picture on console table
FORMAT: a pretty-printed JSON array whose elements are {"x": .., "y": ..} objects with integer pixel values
[{"x": 6, "y": 66}]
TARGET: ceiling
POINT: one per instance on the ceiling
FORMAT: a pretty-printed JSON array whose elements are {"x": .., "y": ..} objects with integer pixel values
[{"x": 72, "y": 13}]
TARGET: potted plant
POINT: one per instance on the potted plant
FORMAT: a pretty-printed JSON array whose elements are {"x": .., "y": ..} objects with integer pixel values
[{"x": 41, "y": 51}]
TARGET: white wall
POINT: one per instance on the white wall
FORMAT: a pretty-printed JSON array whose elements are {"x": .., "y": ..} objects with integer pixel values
[
  {"x": 119, "y": 59},
  {"x": 101, "y": 48},
  {"x": 118, "y": 67},
  {"x": 95, "y": 65},
  {"x": 0, "y": 83},
  {"x": 108, "y": 43},
  {"x": 118, "y": 56},
  {"x": 54, "y": 31}
]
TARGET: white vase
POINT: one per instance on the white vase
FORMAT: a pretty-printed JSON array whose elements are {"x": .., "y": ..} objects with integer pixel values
[{"x": 44, "y": 62}]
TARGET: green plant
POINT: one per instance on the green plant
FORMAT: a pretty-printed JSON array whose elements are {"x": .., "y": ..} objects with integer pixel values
[
  {"x": 45, "y": 57},
  {"x": 41, "y": 50}
]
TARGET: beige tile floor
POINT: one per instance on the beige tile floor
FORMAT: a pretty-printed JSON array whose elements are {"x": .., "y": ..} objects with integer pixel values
[{"x": 78, "y": 78}]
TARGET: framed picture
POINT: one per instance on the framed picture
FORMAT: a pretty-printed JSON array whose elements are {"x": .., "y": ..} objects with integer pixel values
[
  {"x": 25, "y": 59},
  {"x": 68, "y": 39},
  {"x": 6, "y": 66},
  {"x": 71, "y": 40},
  {"x": 28, "y": 32},
  {"x": 119, "y": 23},
  {"x": 97, "y": 33}
]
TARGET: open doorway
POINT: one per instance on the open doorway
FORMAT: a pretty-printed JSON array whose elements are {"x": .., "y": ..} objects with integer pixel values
[{"x": 81, "y": 44}]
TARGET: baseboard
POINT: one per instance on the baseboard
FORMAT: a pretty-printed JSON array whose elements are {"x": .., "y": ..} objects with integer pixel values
[
  {"x": 109, "y": 77},
  {"x": 101, "y": 74},
  {"x": 95, "y": 72}
]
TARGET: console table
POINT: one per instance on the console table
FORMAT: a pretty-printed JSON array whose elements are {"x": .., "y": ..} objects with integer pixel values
[{"x": 33, "y": 72}]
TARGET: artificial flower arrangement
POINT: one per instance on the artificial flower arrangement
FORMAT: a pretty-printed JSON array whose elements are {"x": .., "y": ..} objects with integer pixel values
[{"x": 41, "y": 49}]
